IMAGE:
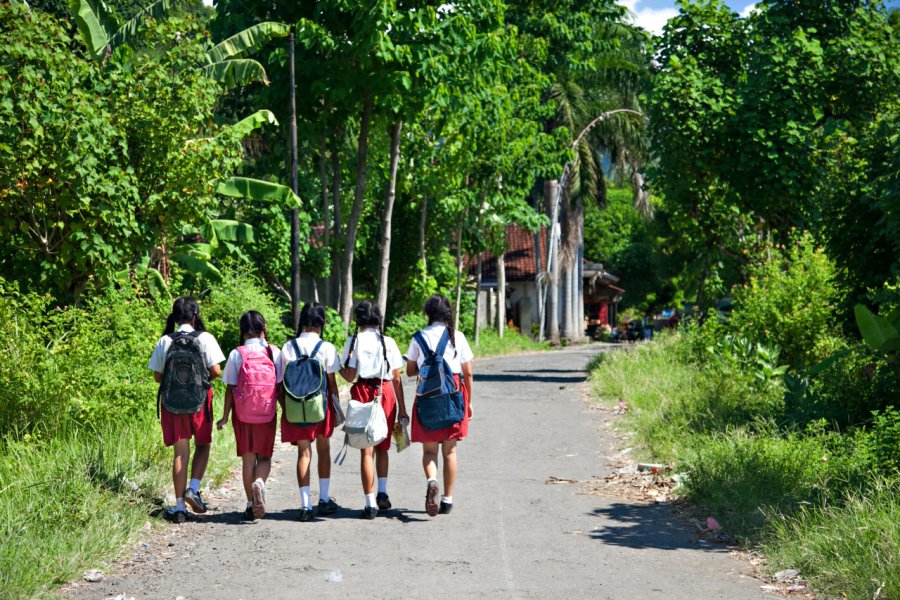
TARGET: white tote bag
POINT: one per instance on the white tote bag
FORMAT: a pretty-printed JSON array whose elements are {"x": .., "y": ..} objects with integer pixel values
[{"x": 365, "y": 426}]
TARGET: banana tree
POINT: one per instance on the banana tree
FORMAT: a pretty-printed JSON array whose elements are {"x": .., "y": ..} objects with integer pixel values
[
  {"x": 226, "y": 62},
  {"x": 882, "y": 333}
]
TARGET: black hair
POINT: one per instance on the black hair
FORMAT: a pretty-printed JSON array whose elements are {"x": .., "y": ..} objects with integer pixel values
[
  {"x": 184, "y": 310},
  {"x": 438, "y": 309},
  {"x": 368, "y": 315},
  {"x": 312, "y": 315},
  {"x": 252, "y": 325}
]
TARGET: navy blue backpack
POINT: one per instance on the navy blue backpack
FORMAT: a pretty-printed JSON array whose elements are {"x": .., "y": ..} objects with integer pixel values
[{"x": 439, "y": 402}]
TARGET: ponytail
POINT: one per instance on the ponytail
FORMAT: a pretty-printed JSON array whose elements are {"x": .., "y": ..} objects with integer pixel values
[
  {"x": 352, "y": 345},
  {"x": 184, "y": 310},
  {"x": 437, "y": 308}
]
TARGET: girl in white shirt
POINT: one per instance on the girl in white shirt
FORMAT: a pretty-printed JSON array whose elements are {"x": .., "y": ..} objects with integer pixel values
[
  {"x": 309, "y": 331},
  {"x": 178, "y": 429},
  {"x": 373, "y": 361},
  {"x": 459, "y": 356},
  {"x": 254, "y": 415}
]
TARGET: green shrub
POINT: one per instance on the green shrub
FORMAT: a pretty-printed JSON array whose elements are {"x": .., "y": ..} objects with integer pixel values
[
  {"x": 239, "y": 291},
  {"x": 404, "y": 328},
  {"x": 490, "y": 344},
  {"x": 788, "y": 302},
  {"x": 335, "y": 332}
]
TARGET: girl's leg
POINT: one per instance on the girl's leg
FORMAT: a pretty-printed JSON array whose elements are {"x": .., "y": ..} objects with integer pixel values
[
  {"x": 201, "y": 458},
  {"x": 263, "y": 468},
  {"x": 429, "y": 459},
  {"x": 367, "y": 470},
  {"x": 448, "y": 450},
  {"x": 304, "y": 457},
  {"x": 248, "y": 466},
  {"x": 323, "y": 453},
  {"x": 381, "y": 462},
  {"x": 182, "y": 450}
]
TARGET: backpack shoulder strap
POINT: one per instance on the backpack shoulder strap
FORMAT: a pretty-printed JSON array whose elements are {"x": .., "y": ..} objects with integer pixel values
[
  {"x": 442, "y": 345},
  {"x": 316, "y": 349},
  {"x": 242, "y": 350},
  {"x": 296, "y": 348},
  {"x": 423, "y": 345},
  {"x": 195, "y": 333}
]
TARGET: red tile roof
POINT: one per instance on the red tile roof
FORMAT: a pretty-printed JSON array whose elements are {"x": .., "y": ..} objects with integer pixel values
[{"x": 520, "y": 261}]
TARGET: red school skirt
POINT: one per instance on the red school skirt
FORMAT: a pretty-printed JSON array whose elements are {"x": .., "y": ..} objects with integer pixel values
[
  {"x": 364, "y": 391},
  {"x": 253, "y": 438},
  {"x": 457, "y": 431},
  {"x": 185, "y": 427},
  {"x": 291, "y": 434}
]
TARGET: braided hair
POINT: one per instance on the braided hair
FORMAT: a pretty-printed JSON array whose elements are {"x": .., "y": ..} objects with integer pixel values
[
  {"x": 184, "y": 310},
  {"x": 437, "y": 308},
  {"x": 312, "y": 315},
  {"x": 368, "y": 315}
]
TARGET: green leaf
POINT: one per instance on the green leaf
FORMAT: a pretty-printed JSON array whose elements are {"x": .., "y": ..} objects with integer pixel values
[
  {"x": 95, "y": 24},
  {"x": 231, "y": 231},
  {"x": 198, "y": 266},
  {"x": 877, "y": 331},
  {"x": 157, "y": 285},
  {"x": 252, "y": 38},
  {"x": 248, "y": 124},
  {"x": 257, "y": 189},
  {"x": 157, "y": 10},
  {"x": 236, "y": 72}
]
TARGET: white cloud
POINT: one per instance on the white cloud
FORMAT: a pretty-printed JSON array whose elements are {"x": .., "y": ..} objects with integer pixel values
[
  {"x": 651, "y": 19},
  {"x": 747, "y": 10}
]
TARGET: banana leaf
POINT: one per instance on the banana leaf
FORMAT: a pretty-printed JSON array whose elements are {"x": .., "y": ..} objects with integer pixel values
[
  {"x": 236, "y": 72},
  {"x": 257, "y": 189},
  {"x": 252, "y": 38}
]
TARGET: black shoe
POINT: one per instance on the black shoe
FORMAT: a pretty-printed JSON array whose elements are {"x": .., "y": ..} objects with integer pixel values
[
  {"x": 306, "y": 514},
  {"x": 431, "y": 499},
  {"x": 446, "y": 507},
  {"x": 175, "y": 516},
  {"x": 327, "y": 508},
  {"x": 248, "y": 515},
  {"x": 384, "y": 503},
  {"x": 370, "y": 512}
]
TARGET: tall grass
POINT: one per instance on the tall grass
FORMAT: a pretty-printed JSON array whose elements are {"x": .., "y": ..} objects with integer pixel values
[{"x": 490, "y": 344}]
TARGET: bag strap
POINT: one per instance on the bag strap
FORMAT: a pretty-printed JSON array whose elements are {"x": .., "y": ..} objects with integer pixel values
[
  {"x": 342, "y": 454},
  {"x": 316, "y": 349},
  {"x": 423, "y": 345},
  {"x": 442, "y": 345},
  {"x": 296, "y": 346}
]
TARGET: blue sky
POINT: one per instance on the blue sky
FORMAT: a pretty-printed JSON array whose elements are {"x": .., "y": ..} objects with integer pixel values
[{"x": 653, "y": 14}]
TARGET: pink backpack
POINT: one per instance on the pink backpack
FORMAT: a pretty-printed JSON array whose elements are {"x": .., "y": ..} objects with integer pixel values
[{"x": 256, "y": 393}]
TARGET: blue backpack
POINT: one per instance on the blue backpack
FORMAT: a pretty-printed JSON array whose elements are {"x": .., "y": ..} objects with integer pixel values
[
  {"x": 304, "y": 388},
  {"x": 439, "y": 403}
]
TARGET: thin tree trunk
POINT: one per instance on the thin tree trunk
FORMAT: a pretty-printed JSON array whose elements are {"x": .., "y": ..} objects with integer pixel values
[
  {"x": 358, "y": 201},
  {"x": 423, "y": 219},
  {"x": 295, "y": 213},
  {"x": 553, "y": 260},
  {"x": 459, "y": 270},
  {"x": 475, "y": 327},
  {"x": 338, "y": 225},
  {"x": 385, "y": 249},
  {"x": 501, "y": 293},
  {"x": 326, "y": 214}
]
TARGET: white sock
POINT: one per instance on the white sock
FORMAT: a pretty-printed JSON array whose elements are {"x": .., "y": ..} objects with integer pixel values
[
  {"x": 430, "y": 479},
  {"x": 324, "y": 484},
  {"x": 370, "y": 501},
  {"x": 249, "y": 504},
  {"x": 195, "y": 485},
  {"x": 179, "y": 504},
  {"x": 382, "y": 485},
  {"x": 447, "y": 499},
  {"x": 305, "y": 497}
]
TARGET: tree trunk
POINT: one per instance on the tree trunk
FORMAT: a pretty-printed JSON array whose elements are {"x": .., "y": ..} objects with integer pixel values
[
  {"x": 359, "y": 198},
  {"x": 501, "y": 293},
  {"x": 338, "y": 225},
  {"x": 385, "y": 249},
  {"x": 475, "y": 327},
  {"x": 295, "y": 213},
  {"x": 552, "y": 305},
  {"x": 423, "y": 219},
  {"x": 459, "y": 270},
  {"x": 326, "y": 214}
]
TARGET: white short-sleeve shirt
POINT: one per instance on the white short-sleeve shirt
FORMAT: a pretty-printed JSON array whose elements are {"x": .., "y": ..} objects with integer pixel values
[
  {"x": 209, "y": 347},
  {"x": 307, "y": 341},
  {"x": 368, "y": 355},
  {"x": 432, "y": 335},
  {"x": 233, "y": 366}
]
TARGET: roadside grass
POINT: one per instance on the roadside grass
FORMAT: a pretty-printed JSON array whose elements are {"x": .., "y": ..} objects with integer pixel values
[
  {"x": 849, "y": 549},
  {"x": 490, "y": 343},
  {"x": 807, "y": 495},
  {"x": 74, "y": 501}
]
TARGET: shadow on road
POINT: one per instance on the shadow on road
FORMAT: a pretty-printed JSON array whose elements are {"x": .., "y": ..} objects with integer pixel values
[
  {"x": 645, "y": 526},
  {"x": 577, "y": 376}
]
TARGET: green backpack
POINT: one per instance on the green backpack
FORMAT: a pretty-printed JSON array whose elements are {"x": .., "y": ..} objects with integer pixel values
[{"x": 304, "y": 388}]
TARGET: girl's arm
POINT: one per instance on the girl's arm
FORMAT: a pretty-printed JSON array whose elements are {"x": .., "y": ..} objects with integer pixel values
[
  {"x": 229, "y": 402},
  {"x": 398, "y": 392},
  {"x": 214, "y": 371},
  {"x": 348, "y": 373},
  {"x": 412, "y": 368},
  {"x": 157, "y": 377},
  {"x": 468, "y": 378}
]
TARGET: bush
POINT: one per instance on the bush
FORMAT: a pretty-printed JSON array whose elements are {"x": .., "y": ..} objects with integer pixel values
[
  {"x": 788, "y": 302},
  {"x": 237, "y": 292},
  {"x": 404, "y": 328}
]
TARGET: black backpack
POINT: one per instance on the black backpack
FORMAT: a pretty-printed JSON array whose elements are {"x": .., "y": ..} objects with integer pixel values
[{"x": 185, "y": 379}]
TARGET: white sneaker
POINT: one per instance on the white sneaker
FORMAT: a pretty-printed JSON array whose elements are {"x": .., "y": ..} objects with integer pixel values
[{"x": 258, "y": 491}]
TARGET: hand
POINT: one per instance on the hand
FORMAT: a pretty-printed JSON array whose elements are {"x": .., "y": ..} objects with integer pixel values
[
  {"x": 403, "y": 415},
  {"x": 221, "y": 423}
]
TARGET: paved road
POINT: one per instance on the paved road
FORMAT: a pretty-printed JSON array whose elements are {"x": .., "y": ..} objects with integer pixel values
[{"x": 510, "y": 536}]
